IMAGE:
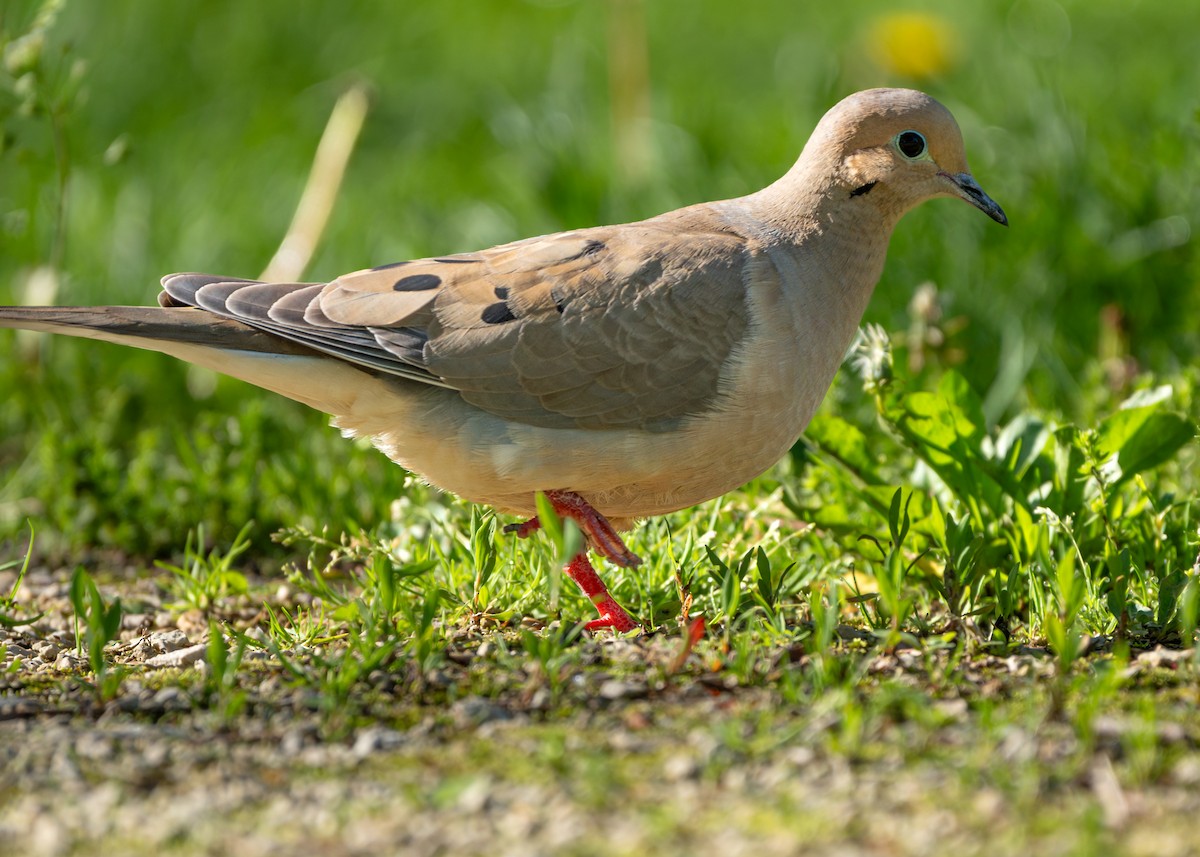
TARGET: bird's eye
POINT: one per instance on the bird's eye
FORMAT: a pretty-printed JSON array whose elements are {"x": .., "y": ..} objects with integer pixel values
[{"x": 911, "y": 144}]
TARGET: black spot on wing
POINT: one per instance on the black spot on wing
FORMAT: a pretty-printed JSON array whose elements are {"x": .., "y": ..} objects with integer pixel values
[
  {"x": 501, "y": 292},
  {"x": 560, "y": 300},
  {"x": 388, "y": 265},
  {"x": 446, "y": 260},
  {"x": 593, "y": 247},
  {"x": 497, "y": 313},
  {"x": 417, "y": 283}
]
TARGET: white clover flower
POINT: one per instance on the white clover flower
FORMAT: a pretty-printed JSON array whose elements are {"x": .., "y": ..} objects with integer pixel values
[{"x": 871, "y": 356}]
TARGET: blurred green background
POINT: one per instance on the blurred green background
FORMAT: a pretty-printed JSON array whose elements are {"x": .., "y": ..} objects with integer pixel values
[{"x": 143, "y": 138}]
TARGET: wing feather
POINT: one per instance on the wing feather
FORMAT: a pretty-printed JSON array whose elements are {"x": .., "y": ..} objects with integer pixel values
[{"x": 625, "y": 326}]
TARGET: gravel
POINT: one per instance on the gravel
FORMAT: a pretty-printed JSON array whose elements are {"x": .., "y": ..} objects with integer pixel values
[{"x": 484, "y": 755}]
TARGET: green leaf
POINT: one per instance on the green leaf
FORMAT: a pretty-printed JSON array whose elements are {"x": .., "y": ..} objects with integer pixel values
[
  {"x": 1119, "y": 567},
  {"x": 958, "y": 393},
  {"x": 549, "y": 519},
  {"x": 946, "y": 430},
  {"x": 731, "y": 593},
  {"x": 218, "y": 655},
  {"x": 1150, "y": 397},
  {"x": 1069, "y": 588},
  {"x": 1170, "y": 588},
  {"x": 898, "y": 520},
  {"x": 719, "y": 566},
  {"x": 1143, "y": 438},
  {"x": 1063, "y": 638},
  {"x": 385, "y": 583},
  {"x": 111, "y": 619},
  {"x": 845, "y": 442},
  {"x": 1070, "y": 477},
  {"x": 564, "y": 534},
  {"x": 768, "y": 579},
  {"x": 1020, "y": 443}
]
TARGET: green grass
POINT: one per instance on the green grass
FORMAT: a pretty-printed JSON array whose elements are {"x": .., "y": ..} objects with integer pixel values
[
  {"x": 1012, "y": 464},
  {"x": 186, "y": 149}
]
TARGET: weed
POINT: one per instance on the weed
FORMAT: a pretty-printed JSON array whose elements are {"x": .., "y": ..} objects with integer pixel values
[
  {"x": 97, "y": 623},
  {"x": 302, "y": 627},
  {"x": 221, "y": 678},
  {"x": 8, "y": 603},
  {"x": 204, "y": 579}
]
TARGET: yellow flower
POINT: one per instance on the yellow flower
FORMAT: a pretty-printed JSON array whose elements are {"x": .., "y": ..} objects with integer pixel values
[{"x": 913, "y": 44}]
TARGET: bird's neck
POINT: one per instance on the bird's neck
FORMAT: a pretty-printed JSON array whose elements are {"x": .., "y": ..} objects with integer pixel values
[
  {"x": 828, "y": 250},
  {"x": 839, "y": 240},
  {"x": 816, "y": 194}
]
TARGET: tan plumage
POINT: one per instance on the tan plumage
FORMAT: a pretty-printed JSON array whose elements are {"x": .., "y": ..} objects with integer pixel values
[{"x": 646, "y": 367}]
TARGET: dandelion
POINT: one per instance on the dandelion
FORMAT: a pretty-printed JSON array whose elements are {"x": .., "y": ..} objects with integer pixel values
[{"x": 915, "y": 45}]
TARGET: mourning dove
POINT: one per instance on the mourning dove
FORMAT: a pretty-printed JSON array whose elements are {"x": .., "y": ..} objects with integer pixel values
[{"x": 626, "y": 371}]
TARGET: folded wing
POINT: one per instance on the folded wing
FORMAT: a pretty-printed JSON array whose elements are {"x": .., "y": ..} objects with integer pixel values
[{"x": 626, "y": 326}]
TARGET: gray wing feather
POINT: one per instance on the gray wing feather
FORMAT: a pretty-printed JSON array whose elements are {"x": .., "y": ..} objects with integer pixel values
[{"x": 627, "y": 326}]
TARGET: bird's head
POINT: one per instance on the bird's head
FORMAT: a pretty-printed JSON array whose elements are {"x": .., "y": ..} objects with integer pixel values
[{"x": 896, "y": 148}]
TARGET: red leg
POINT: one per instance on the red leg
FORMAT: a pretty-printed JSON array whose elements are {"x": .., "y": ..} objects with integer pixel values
[
  {"x": 605, "y": 541},
  {"x": 612, "y": 614},
  {"x": 598, "y": 531}
]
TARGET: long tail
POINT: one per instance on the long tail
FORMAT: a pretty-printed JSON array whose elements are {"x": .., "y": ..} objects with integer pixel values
[
  {"x": 153, "y": 328},
  {"x": 221, "y": 344}
]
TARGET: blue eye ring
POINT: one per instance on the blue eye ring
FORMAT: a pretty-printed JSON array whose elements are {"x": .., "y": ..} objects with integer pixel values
[{"x": 911, "y": 144}]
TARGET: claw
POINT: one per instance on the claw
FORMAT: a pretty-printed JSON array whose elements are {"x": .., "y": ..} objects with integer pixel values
[
  {"x": 619, "y": 624},
  {"x": 525, "y": 529}
]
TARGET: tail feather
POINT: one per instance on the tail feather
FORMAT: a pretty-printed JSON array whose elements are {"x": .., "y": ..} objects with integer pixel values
[
  {"x": 153, "y": 328},
  {"x": 217, "y": 343},
  {"x": 179, "y": 290}
]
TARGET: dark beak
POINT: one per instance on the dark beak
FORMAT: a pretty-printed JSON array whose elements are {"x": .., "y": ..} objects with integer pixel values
[{"x": 970, "y": 190}]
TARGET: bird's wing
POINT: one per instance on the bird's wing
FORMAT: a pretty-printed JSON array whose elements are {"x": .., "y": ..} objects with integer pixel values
[{"x": 624, "y": 326}]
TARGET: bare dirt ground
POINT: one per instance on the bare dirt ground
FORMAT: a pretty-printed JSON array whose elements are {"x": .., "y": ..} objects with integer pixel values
[{"x": 498, "y": 750}]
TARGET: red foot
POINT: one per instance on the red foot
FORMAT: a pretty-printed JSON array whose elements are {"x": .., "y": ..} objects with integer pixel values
[{"x": 596, "y": 529}]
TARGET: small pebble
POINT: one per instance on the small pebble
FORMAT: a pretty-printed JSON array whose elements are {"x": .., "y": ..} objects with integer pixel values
[
  {"x": 67, "y": 660},
  {"x": 168, "y": 641},
  {"x": 179, "y": 658},
  {"x": 170, "y": 699},
  {"x": 614, "y": 689},
  {"x": 375, "y": 740},
  {"x": 475, "y": 711}
]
